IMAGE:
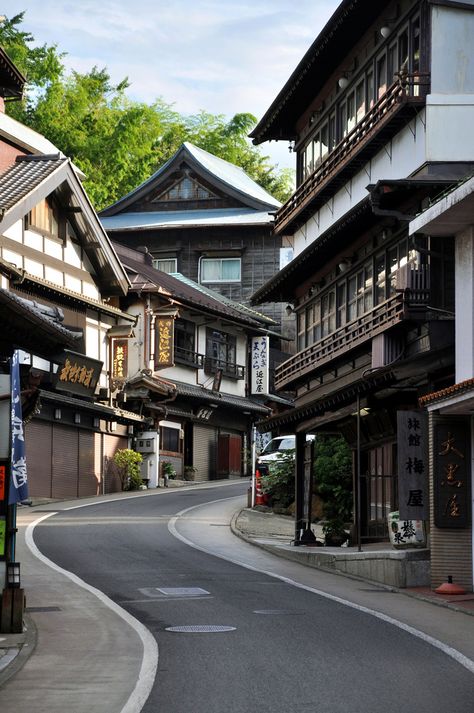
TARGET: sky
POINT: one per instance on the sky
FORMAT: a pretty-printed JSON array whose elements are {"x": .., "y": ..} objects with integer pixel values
[{"x": 220, "y": 56}]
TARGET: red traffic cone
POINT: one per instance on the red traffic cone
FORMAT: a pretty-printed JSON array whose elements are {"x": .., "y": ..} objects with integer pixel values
[{"x": 450, "y": 588}]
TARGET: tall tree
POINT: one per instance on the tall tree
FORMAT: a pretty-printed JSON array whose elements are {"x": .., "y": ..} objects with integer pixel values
[{"x": 118, "y": 143}]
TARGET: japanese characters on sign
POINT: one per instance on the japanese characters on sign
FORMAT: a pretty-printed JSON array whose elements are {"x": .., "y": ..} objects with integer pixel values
[
  {"x": 78, "y": 374},
  {"x": 260, "y": 365},
  {"x": 406, "y": 533},
  {"x": 119, "y": 359},
  {"x": 451, "y": 477},
  {"x": 18, "y": 486},
  {"x": 412, "y": 447},
  {"x": 164, "y": 342}
]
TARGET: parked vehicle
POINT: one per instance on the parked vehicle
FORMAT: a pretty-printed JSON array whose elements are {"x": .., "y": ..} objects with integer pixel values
[{"x": 274, "y": 451}]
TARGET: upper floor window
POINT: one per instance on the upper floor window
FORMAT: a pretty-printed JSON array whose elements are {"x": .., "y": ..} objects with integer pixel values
[
  {"x": 44, "y": 217},
  {"x": 185, "y": 190},
  {"x": 185, "y": 341},
  {"x": 221, "y": 353},
  {"x": 373, "y": 282},
  {"x": 226, "y": 269},
  {"x": 400, "y": 54},
  {"x": 167, "y": 264}
]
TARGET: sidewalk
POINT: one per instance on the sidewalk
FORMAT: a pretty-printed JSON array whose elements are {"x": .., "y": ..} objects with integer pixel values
[{"x": 275, "y": 534}]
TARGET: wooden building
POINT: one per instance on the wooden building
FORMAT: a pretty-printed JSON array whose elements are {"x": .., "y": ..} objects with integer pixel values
[
  {"x": 207, "y": 219},
  {"x": 60, "y": 280},
  {"x": 196, "y": 342},
  {"x": 379, "y": 112}
]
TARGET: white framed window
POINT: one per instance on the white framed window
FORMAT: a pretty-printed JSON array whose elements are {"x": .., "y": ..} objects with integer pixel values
[
  {"x": 166, "y": 264},
  {"x": 217, "y": 269}
]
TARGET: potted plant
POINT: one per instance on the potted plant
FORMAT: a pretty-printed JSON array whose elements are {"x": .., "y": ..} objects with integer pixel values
[
  {"x": 168, "y": 471},
  {"x": 335, "y": 533},
  {"x": 128, "y": 468},
  {"x": 189, "y": 472}
]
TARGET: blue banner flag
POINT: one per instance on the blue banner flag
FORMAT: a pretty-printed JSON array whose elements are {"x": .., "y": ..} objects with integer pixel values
[{"x": 18, "y": 489}]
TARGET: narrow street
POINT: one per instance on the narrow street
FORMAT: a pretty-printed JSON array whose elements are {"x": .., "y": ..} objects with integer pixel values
[{"x": 235, "y": 638}]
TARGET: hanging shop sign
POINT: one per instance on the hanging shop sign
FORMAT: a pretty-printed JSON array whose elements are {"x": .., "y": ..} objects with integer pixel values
[
  {"x": 164, "y": 342},
  {"x": 451, "y": 473},
  {"x": 78, "y": 374},
  {"x": 260, "y": 365},
  {"x": 119, "y": 359},
  {"x": 412, "y": 448}
]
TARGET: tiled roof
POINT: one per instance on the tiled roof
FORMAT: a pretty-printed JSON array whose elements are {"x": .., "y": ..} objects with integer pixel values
[
  {"x": 24, "y": 176},
  {"x": 231, "y": 178},
  {"x": 34, "y": 313},
  {"x": 450, "y": 391},
  {"x": 199, "y": 392},
  {"x": 187, "y": 292}
]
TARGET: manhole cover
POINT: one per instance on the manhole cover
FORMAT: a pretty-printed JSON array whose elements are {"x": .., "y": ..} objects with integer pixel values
[
  {"x": 182, "y": 591},
  {"x": 199, "y": 629}
]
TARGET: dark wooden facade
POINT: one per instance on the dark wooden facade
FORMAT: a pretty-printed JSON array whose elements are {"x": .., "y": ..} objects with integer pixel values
[{"x": 374, "y": 307}]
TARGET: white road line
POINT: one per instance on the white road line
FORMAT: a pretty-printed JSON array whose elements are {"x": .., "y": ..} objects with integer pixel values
[
  {"x": 147, "y": 674},
  {"x": 448, "y": 650}
]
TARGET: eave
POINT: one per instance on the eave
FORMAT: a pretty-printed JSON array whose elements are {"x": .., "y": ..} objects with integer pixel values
[{"x": 348, "y": 23}]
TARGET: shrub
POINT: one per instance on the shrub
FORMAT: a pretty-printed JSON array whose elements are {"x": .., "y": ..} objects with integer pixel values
[
  {"x": 128, "y": 465},
  {"x": 279, "y": 482},
  {"x": 168, "y": 470}
]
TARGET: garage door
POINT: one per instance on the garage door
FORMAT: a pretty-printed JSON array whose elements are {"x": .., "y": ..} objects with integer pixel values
[{"x": 205, "y": 452}]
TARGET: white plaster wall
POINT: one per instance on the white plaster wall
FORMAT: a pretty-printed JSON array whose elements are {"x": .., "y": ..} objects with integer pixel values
[
  {"x": 464, "y": 304},
  {"x": 452, "y": 55},
  {"x": 405, "y": 154},
  {"x": 450, "y": 122},
  {"x": 236, "y": 387}
]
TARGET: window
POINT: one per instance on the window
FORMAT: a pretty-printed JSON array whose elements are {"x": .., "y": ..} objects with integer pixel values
[
  {"x": 226, "y": 269},
  {"x": 44, "y": 217},
  {"x": 166, "y": 264},
  {"x": 221, "y": 352},
  {"x": 186, "y": 190},
  {"x": 169, "y": 439},
  {"x": 184, "y": 340}
]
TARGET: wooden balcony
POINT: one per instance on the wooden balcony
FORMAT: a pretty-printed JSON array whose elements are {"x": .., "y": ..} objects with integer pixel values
[
  {"x": 399, "y": 103},
  {"x": 188, "y": 358},
  {"x": 406, "y": 304},
  {"x": 232, "y": 371}
]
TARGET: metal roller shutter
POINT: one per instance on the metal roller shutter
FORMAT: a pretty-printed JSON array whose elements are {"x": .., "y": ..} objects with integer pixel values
[
  {"x": 88, "y": 478},
  {"x": 38, "y": 444},
  {"x": 65, "y": 462},
  {"x": 205, "y": 452}
]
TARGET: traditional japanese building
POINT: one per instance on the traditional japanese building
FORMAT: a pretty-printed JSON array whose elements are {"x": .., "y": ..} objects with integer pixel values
[
  {"x": 379, "y": 113},
  {"x": 207, "y": 219},
  {"x": 60, "y": 280},
  {"x": 198, "y": 343}
]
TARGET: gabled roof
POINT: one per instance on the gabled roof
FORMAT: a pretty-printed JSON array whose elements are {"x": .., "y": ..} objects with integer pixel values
[
  {"x": 350, "y": 20},
  {"x": 32, "y": 178},
  {"x": 224, "y": 176},
  {"x": 181, "y": 290}
]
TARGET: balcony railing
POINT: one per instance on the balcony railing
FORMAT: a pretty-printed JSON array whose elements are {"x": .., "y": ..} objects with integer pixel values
[
  {"x": 405, "y": 304},
  {"x": 188, "y": 357},
  {"x": 232, "y": 371},
  {"x": 357, "y": 147}
]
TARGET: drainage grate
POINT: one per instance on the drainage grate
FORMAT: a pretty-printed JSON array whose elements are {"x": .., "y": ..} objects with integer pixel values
[
  {"x": 199, "y": 629},
  {"x": 42, "y": 609}
]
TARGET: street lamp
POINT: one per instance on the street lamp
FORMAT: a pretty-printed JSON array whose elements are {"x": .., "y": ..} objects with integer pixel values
[{"x": 13, "y": 575}]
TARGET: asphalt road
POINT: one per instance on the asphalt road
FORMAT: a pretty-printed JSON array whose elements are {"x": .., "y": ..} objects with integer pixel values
[{"x": 236, "y": 639}]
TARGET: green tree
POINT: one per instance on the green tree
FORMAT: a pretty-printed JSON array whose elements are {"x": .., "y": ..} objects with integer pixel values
[
  {"x": 333, "y": 480},
  {"x": 118, "y": 143}
]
